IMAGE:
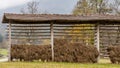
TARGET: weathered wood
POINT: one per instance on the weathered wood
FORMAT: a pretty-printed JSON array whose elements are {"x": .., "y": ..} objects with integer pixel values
[
  {"x": 28, "y": 29},
  {"x": 78, "y": 36},
  {"x": 109, "y": 25},
  {"x": 97, "y": 35},
  {"x": 74, "y": 26},
  {"x": 111, "y": 36},
  {"x": 52, "y": 40},
  {"x": 72, "y": 29},
  {"x": 98, "y": 39},
  {"x": 17, "y": 26},
  {"x": 9, "y": 59},
  {"x": 17, "y": 32},
  {"x": 29, "y": 38},
  {"x": 56, "y": 31},
  {"x": 37, "y": 26},
  {"x": 110, "y": 28}
]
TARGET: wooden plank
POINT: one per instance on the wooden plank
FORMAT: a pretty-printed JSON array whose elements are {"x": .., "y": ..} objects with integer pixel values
[
  {"x": 9, "y": 59},
  {"x": 107, "y": 39},
  {"x": 98, "y": 39},
  {"x": 75, "y": 26},
  {"x": 111, "y": 36},
  {"x": 29, "y": 35},
  {"x": 29, "y": 29},
  {"x": 28, "y": 38},
  {"x": 13, "y": 32},
  {"x": 76, "y": 38},
  {"x": 110, "y": 43},
  {"x": 55, "y": 31},
  {"x": 22, "y": 24},
  {"x": 73, "y": 29},
  {"x": 110, "y": 25},
  {"x": 52, "y": 40},
  {"x": 102, "y": 29},
  {"x": 16, "y": 26},
  {"x": 54, "y": 35},
  {"x": 48, "y": 26},
  {"x": 83, "y": 25}
]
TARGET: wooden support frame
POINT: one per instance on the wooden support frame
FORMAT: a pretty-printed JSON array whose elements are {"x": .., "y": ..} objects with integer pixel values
[
  {"x": 9, "y": 49},
  {"x": 52, "y": 39},
  {"x": 98, "y": 39},
  {"x": 53, "y": 31}
]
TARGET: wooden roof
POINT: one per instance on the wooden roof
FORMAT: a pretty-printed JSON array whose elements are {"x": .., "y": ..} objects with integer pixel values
[{"x": 56, "y": 17}]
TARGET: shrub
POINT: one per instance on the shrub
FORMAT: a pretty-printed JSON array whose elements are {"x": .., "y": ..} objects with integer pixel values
[
  {"x": 114, "y": 54},
  {"x": 63, "y": 52}
]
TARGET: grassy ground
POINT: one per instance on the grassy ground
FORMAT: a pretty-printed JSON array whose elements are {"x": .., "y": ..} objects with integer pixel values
[
  {"x": 101, "y": 64},
  {"x": 3, "y": 52}
]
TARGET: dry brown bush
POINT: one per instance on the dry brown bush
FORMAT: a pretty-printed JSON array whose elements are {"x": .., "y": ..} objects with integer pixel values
[
  {"x": 114, "y": 54},
  {"x": 63, "y": 51}
]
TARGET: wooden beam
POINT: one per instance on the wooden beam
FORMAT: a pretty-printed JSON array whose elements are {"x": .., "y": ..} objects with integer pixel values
[
  {"x": 31, "y": 28},
  {"x": 23, "y": 32},
  {"x": 52, "y": 40},
  {"x": 9, "y": 59},
  {"x": 98, "y": 39}
]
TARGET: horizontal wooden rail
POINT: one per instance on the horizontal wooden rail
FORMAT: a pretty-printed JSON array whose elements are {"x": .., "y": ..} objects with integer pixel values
[
  {"x": 29, "y": 29},
  {"x": 30, "y": 26},
  {"x": 14, "y": 32}
]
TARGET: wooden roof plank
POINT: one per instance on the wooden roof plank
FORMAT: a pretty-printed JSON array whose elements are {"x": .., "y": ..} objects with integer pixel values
[{"x": 45, "y": 18}]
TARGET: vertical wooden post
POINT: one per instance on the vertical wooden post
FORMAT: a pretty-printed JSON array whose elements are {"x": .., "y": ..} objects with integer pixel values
[
  {"x": 52, "y": 40},
  {"x": 9, "y": 58},
  {"x": 98, "y": 40}
]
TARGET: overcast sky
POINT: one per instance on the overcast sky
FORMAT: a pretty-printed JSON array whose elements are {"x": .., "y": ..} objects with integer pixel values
[
  {"x": 4, "y": 4},
  {"x": 52, "y": 6}
]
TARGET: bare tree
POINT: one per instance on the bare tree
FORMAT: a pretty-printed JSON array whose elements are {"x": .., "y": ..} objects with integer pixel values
[
  {"x": 32, "y": 8},
  {"x": 115, "y": 6}
]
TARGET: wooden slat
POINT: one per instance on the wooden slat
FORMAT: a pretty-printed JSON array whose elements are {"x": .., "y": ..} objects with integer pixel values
[
  {"x": 81, "y": 31},
  {"x": 29, "y": 29},
  {"x": 56, "y": 33},
  {"x": 77, "y": 34},
  {"x": 71, "y": 29},
  {"x": 29, "y": 35},
  {"x": 84, "y": 25},
  {"x": 111, "y": 36},
  {"x": 110, "y": 25},
  {"x": 109, "y": 42},
  {"x": 16, "y": 26},
  {"x": 30, "y": 32},
  {"x": 54, "y": 37},
  {"x": 109, "y": 28},
  {"x": 49, "y": 26},
  {"x": 110, "y": 32},
  {"x": 78, "y": 38},
  {"x": 30, "y": 38},
  {"x": 32, "y": 24},
  {"x": 75, "y": 26}
]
